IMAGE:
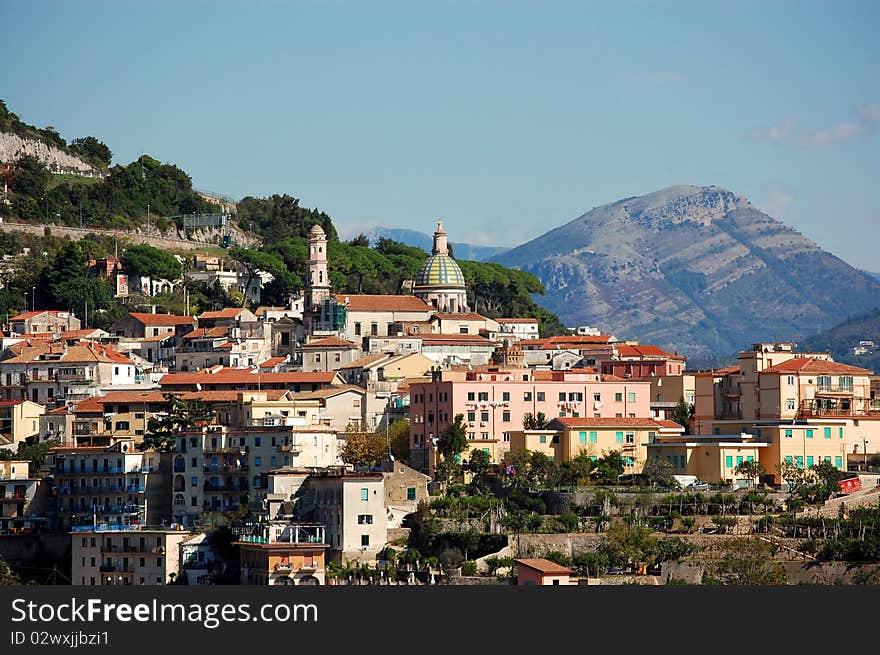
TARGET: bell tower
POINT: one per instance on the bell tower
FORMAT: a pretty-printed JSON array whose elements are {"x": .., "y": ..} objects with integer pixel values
[{"x": 318, "y": 284}]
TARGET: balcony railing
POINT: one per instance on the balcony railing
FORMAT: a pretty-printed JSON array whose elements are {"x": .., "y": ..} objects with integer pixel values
[
  {"x": 834, "y": 388},
  {"x": 226, "y": 468}
]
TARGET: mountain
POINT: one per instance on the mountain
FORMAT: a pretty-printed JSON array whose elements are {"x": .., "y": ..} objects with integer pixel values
[
  {"x": 426, "y": 242},
  {"x": 874, "y": 275},
  {"x": 696, "y": 269},
  {"x": 841, "y": 339}
]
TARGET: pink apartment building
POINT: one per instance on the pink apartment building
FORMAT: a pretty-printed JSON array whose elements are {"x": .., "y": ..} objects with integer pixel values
[{"x": 494, "y": 401}]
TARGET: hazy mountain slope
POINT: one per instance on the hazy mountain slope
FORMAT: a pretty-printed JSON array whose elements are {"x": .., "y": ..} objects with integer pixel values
[
  {"x": 696, "y": 269},
  {"x": 425, "y": 242}
]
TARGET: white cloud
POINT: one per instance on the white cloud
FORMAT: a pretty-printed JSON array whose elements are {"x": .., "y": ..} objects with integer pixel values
[
  {"x": 782, "y": 133},
  {"x": 840, "y": 132},
  {"x": 870, "y": 112}
]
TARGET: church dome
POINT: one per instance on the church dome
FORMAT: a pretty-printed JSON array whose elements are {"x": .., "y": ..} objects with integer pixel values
[{"x": 440, "y": 271}]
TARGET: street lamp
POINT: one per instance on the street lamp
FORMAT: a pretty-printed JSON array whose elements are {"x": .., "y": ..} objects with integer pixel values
[{"x": 33, "y": 298}]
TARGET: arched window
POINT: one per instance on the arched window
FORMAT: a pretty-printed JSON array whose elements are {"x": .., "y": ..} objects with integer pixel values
[{"x": 179, "y": 483}]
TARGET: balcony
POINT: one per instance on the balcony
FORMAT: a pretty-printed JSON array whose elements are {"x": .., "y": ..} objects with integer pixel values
[
  {"x": 225, "y": 450},
  {"x": 13, "y": 499},
  {"x": 836, "y": 389},
  {"x": 294, "y": 448},
  {"x": 839, "y": 407},
  {"x": 226, "y": 468}
]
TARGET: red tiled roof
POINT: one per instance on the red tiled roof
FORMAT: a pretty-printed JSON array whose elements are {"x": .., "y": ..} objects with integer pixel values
[
  {"x": 161, "y": 319},
  {"x": 441, "y": 339},
  {"x": 26, "y": 315},
  {"x": 330, "y": 342},
  {"x": 84, "y": 351},
  {"x": 647, "y": 350},
  {"x": 272, "y": 362},
  {"x": 669, "y": 424},
  {"x": 813, "y": 365},
  {"x": 246, "y": 376},
  {"x": 544, "y": 566},
  {"x": 226, "y": 312},
  {"x": 377, "y": 303},
  {"x": 207, "y": 333},
  {"x": 80, "y": 334}
]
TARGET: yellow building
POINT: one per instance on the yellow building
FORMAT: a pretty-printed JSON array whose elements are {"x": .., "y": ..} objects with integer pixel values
[
  {"x": 284, "y": 554},
  {"x": 19, "y": 419},
  {"x": 711, "y": 458}
]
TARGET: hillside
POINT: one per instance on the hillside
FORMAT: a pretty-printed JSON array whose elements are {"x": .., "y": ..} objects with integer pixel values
[
  {"x": 425, "y": 242},
  {"x": 841, "y": 339},
  {"x": 697, "y": 270}
]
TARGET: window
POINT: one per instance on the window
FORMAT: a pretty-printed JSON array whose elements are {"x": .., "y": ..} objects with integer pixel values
[
  {"x": 582, "y": 437},
  {"x": 824, "y": 381},
  {"x": 484, "y": 395},
  {"x": 788, "y": 434},
  {"x": 365, "y": 540},
  {"x": 789, "y": 404},
  {"x": 809, "y": 434},
  {"x": 789, "y": 459},
  {"x": 540, "y": 396},
  {"x": 471, "y": 416},
  {"x": 809, "y": 461},
  {"x": 827, "y": 433},
  {"x": 365, "y": 519},
  {"x": 597, "y": 397},
  {"x": 631, "y": 396},
  {"x": 357, "y": 329},
  {"x": 505, "y": 396},
  {"x": 257, "y": 441},
  {"x": 618, "y": 437},
  {"x": 194, "y": 481},
  {"x": 838, "y": 462},
  {"x": 484, "y": 416},
  {"x": 472, "y": 435},
  {"x": 618, "y": 397},
  {"x": 484, "y": 435},
  {"x": 728, "y": 461},
  {"x": 800, "y": 461},
  {"x": 505, "y": 417},
  {"x": 543, "y": 438},
  {"x": 739, "y": 460},
  {"x": 562, "y": 396},
  {"x": 374, "y": 329},
  {"x": 122, "y": 425},
  {"x": 258, "y": 461},
  {"x": 365, "y": 493},
  {"x": 470, "y": 395},
  {"x": 840, "y": 432},
  {"x": 630, "y": 437},
  {"x": 410, "y": 493},
  {"x": 273, "y": 461},
  {"x": 527, "y": 396},
  {"x": 846, "y": 383},
  {"x": 594, "y": 437},
  {"x": 791, "y": 379}
]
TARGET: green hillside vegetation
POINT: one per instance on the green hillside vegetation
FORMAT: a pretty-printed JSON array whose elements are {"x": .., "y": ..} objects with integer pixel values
[{"x": 840, "y": 340}]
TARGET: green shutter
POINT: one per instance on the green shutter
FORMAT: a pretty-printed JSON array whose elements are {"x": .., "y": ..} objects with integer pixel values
[
  {"x": 739, "y": 460},
  {"x": 728, "y": 462},
  {"x": 809, "y": 461},
  {"x": 800, "y": 461},
  {"x": 809, "y": 434},
  {"x": 749, "y": 458},
  {"x": 594, "y": 437},
  {"x": 789, "y": 459},
  {"x": 618, "y": 436},
  {"x": 827, "y": 433},
  {"x": 840, "y": 432},
  {"x": 788, "y": 433},
  {"x": 838, "y": 462},
  {"x": 582, "y": 437}
]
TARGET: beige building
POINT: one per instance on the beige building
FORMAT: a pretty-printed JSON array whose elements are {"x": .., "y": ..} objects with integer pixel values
[
  {"x": 564, "y": 439},
  {"x": 541, "y": 572},
  {"x": 113, "y": 485},
  {"x": 340, "y": 407},
  {"x": 141, "y": 325},
  {"x": 712, "y": 458},
  {"x": 19, "y": 420},
  {"x": 376, "y": 315},
  {"x": 17, "y": 492},
  {"x": 43, "y": 322},
  {"x": 125, "y": 557},
  {"x": 668, "y": 390},
  {"x": 327, "y": 354},
  {"x": 218, "y": 468}
]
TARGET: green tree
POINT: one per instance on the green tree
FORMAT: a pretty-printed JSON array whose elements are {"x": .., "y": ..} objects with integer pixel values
[
  {"x": 609, "y": 467},
  {"x": 479, "y": 464},
  {"x": 682, "y": 414},
  {"x": 745, "y": 562},
  {"x": 363, "y": 449},
  {"x": 147, "y": 261},
  {"x": 398, "y": 437},
  {"x": 752, "y": 469},
  {"x": 255, "y": 261},
  {"x": 453, "y": 441},
  {"x": 182, "y": 415},
  {"x": 35, "y": 453},
  {"x": 658, "y": 472},
  {"x": 534, "y": 421},
  {"x": 93, "y": 150}
]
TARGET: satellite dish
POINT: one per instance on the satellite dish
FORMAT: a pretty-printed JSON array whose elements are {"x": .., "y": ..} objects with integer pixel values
[{"x": 198, "y": 386}]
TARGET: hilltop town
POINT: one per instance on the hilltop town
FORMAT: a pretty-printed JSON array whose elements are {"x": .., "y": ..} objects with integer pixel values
[{"x": 406, "y": 438}]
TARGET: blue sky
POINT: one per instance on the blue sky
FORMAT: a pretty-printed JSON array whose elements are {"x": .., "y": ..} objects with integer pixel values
[{"x": 504, "y": 119}]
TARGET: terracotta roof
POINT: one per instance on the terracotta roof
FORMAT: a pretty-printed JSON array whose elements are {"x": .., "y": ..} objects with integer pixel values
[
  {"x": 59, "y": 410},
  {"x": 272, "y": 362},
  {"x": 81, "y": 334},
  {"x": 262, "y": 310},
  {"x": 813, "y": 365},
  {"x": 328, "y": 393},
  {"x": 84, "y": 351},
  {"x": 383, "y": 303},
  {"x": 161, "y": 319},
  {"x": 670, "y": 424},
  {"x": 585, "y": 421},
  {"x": 226, "y": 312},
  {"x": 470, "y": 316},
  {"x": 26, "y": 315},
  {"x": 97, "y": 403},
  {"x": 441, "y": 339},
  {"x": 228, "y": 376},
  {"x": 544, "y": 566},
  {"x": 516, "y": 320},
  {"x": 366, "y": 361},
  {"x": 625, "y": 350},
  {"x": 157, "y": 337},
  {"x": 207, "y": 333},
  {"x": 330, "y": 342}
]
